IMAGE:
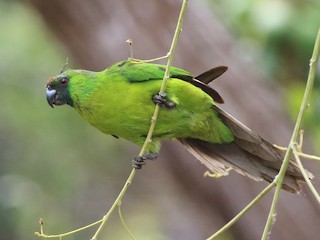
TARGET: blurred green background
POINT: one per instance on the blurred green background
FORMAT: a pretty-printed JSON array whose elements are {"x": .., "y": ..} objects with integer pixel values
[
  {"x": 38, "y": 174},
  {"x": 47, "y": 165},
  {"x": 282, "y": 43}
]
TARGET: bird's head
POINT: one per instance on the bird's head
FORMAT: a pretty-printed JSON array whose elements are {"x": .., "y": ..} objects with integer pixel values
[{"x": 57, "y": 90}]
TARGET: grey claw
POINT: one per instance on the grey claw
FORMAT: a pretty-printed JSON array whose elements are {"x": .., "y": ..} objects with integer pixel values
[
  {"x": 138, "y": 161},
  {"x": 160, "y": 99}
]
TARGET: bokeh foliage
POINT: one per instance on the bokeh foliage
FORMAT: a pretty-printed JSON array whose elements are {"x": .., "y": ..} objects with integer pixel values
[
  {"x": 33, "y": 152},
  {"x": 282, "y": 42}
]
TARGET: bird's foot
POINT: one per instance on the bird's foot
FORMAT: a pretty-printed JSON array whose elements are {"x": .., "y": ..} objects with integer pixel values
[
  {"x": 160, "y": 99},
  {"x": 138, "y": 161},
  {"x": 217, "y": 175}
]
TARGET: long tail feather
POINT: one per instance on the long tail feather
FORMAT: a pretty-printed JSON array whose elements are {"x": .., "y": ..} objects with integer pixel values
[{"x": 248, "y": 154}]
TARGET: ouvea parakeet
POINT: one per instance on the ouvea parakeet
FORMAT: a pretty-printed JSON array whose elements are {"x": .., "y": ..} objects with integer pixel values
[{"x": 121, "y": 99}]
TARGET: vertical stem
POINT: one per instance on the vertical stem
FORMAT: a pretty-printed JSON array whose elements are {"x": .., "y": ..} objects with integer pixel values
[
  {"x": 153, "y": 119},
  {"x": 243, "y": 211},
  {"x": 173, "y": 46},
  {"x": 305, "y": 175},
  {"x": 115, "y": 203},
  {"x": 166, "y": 75},
  {"x": 304, "y": 105}
]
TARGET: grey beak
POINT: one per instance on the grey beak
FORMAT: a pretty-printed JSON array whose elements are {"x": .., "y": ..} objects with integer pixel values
[{"x": 50, "y": 93}]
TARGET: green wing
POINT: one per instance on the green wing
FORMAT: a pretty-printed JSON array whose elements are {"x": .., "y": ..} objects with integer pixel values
[
  {"x": 140, "y": 71},
  {"x": 135, "y": 72}
]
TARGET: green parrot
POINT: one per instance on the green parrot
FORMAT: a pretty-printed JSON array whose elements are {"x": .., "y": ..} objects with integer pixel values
[{"x": 120, "y": 101}]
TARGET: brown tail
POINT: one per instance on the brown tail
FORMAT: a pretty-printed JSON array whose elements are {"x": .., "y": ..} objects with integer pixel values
[{"x": 249, "y": 155}]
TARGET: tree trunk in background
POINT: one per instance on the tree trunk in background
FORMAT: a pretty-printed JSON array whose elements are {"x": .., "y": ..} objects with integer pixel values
[{"x": 94, "y": 33}]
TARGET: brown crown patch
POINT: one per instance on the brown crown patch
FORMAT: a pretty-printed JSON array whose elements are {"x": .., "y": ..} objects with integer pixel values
[{"x": 50, "y": 80}]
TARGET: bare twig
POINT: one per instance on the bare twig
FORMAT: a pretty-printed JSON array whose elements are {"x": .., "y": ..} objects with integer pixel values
[
  {"x": 154, "y": 117},
  {"x": 305, "y": 175},
  {"x": 123, "y": 222},
  {"x": 243, "y": 211},
  {"x": 303, "y": 108}
]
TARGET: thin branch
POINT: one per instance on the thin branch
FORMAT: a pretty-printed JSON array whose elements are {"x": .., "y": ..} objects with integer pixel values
[
  {"x": 300, "y": 154},
  {"x": 166, "y": 75},
  {"x": 280, "y": 147},
  {"x": 305, "y": 175},
  {"x": 308, "y": 156},
  {"x": 153, "y": 119},
  {"x": 123, "y": 222},
  {"x": 304, "y": 105},
  {"x": 43, "y": 235},
  {"x": 243, "y": 211},
  {"x": 116, "y": 202},
  {"x": 150, "y": 60}
]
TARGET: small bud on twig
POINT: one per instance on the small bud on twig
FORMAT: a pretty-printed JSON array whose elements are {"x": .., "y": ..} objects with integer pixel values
[{"x": 130, "y": 42}]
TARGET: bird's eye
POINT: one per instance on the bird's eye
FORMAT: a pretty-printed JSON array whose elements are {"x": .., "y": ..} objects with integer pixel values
[{"x": 64, "y": 80}]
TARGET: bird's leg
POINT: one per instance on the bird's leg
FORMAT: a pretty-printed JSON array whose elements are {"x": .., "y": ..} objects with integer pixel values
[
  {"x": 137, "y": 162},
  {"x": 160, "y": 98}
]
